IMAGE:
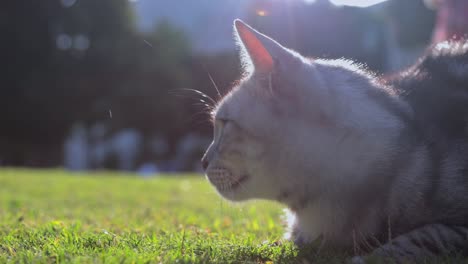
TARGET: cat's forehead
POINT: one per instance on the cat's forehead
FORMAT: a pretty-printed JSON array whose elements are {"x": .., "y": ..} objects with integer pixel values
[{"x": 231, "y": 105}]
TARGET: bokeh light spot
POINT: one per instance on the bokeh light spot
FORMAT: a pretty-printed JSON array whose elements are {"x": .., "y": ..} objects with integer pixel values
[
  {"x": 81, "y": 42},
  {"x": 68, "y": 3},
  {"x": 63, "y": 42}
]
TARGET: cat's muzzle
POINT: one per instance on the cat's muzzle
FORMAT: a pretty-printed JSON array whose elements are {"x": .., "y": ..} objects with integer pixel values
[{"x": 224, "y": 180}]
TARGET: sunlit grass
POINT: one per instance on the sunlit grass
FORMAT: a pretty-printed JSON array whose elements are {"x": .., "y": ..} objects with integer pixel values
[
  {"x": 53, "y": 216},
  {"x": 50, "y": 216}
]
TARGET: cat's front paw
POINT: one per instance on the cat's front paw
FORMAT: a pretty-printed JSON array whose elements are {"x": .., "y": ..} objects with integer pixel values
[
  {"x": 296, "y": 234},
  {"x": 299, "y": 238},
  {"x": 300, "y": 241}
]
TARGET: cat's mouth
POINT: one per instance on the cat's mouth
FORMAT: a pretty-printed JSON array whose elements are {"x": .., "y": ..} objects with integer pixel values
[
  {"x": 224, "y": 181},
  {"x": 229, "y": 186},
  {"x": 238, "y": 183}
]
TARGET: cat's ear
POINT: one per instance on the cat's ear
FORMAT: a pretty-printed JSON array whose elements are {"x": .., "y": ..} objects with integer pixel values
[{"x": 262, "y": 51}]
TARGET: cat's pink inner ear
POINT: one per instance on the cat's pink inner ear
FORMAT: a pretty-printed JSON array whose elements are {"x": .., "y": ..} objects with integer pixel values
[{"x": 261, "y": 58}]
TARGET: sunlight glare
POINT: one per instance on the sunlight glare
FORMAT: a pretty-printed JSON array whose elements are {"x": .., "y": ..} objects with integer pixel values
[
  {"x": 262, "y": 12},
  {"x": 357, "y": 3}
]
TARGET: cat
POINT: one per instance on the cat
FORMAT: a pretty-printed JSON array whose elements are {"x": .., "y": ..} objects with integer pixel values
[{"x": 368, "y": 165}]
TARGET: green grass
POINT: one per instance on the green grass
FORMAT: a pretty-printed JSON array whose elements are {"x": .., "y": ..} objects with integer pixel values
[{"x": 52, "y": 216}]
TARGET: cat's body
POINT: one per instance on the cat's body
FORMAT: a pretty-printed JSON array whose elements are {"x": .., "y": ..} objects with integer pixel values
[{"x": 370, "y": 165}]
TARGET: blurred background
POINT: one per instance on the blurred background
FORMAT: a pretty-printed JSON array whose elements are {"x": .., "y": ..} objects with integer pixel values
[{"x": 107, "y": 84}]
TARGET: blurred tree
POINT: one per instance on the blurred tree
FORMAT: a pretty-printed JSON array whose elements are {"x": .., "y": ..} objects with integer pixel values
[
  {"x": 211, "y": 74},
  {"x": 146, "y": 100},
  {"x": 412, "y": 22},
  {"x": 65, "y": 61}
]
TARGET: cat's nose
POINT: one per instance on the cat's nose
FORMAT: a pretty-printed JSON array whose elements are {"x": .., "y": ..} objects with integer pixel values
[{"x": 204, "y": 163}]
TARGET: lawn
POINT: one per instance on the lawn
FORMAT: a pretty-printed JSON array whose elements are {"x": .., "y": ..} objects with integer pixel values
[{"x": 50, "y": 216}]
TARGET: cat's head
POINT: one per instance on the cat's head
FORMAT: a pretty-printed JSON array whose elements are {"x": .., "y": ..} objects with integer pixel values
[{"x": 293, "y": 124}]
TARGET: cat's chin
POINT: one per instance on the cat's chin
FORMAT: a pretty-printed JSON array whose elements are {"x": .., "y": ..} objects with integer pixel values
[{"x": 234, "y": 191}]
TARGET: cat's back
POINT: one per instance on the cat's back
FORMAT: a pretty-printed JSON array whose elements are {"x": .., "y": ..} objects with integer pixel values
[{"x": 437, "y": 90}]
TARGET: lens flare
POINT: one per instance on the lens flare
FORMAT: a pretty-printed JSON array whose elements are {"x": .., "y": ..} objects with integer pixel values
[{"x": 262, "y": 13}]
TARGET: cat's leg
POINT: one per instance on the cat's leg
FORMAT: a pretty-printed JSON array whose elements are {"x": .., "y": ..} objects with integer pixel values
[
  {"x": 296, "y": 232},
  {"x": 299, "y": 238},
  {"x": 423, "y": 243}
]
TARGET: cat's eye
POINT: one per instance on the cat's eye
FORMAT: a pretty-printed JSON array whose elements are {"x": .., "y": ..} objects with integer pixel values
[{"x": 219, "y": 126}]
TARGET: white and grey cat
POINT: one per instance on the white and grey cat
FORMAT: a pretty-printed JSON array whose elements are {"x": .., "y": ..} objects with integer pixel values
[{"x": 379, "y": 167}]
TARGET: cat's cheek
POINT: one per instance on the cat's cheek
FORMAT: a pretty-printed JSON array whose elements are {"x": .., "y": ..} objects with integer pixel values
[{"x": 235, "y": 196}]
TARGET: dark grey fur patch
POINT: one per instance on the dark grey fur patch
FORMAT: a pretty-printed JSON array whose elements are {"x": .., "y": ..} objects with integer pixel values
[
  {"x": 436, "y": 89},
  {"x": 437, "y": 96},
  {"x": 391, "y": 104},
  {"x": 435, "y": 175}
]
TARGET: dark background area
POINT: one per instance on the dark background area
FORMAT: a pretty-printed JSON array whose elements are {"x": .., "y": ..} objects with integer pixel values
[{"x": 89, "y": 84}]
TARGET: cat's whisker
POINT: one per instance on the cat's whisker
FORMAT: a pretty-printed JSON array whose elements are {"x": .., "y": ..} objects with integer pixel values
[
  {"x": 206, "y": 109},
  {"x": 200, "y": 124},
  {"x": 200, "y": 121},
  {"x": 197, "y": 114},
  {"x": 214, "y": 84},
  {"x": 200, "y": 93},
  {"x": 196, "y": 122},
  {"x": 204, "y": 104},
  {"x": 186, "y": 97},
  {"x": 212, "y": 81},
  {"x": 208, "y": 105}
]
